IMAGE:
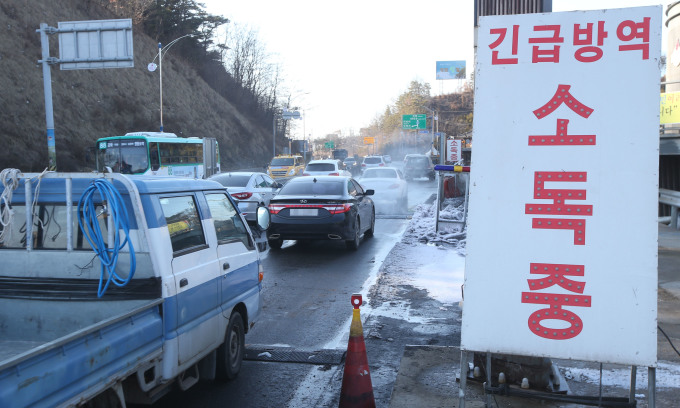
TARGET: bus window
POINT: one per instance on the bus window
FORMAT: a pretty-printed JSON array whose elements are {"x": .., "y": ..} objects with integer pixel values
[
  {"x": 181, "y": 153},
  {"x": 153, "y": 156},
  {"x": 123, "y": 156}
]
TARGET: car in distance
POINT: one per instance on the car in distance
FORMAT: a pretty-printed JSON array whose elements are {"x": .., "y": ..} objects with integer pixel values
[
  {"x": 353, "y": 165},
  {"x": 286, "y": 166},
  {"x": 328, "y": 167},
  {"x": 321, "y": 208},
  {"x": 390, "y": 189},
  {"x": 372, "y": 161},
  {"x": 418, "y": 166},
  {"x": 249, "y": 189},
  {"x": 387, "y": 158}
]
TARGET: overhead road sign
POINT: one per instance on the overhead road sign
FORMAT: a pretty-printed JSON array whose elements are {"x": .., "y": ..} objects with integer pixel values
[
  {"x": 95, "y": 44},
  {"x": 414, "y": 121},
  {"x": 369, "y": 140},
  {"x": 290, "y": 114}
]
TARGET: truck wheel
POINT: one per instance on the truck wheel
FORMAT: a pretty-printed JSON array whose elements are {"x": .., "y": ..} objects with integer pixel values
[{"x": 230, "y": 353}]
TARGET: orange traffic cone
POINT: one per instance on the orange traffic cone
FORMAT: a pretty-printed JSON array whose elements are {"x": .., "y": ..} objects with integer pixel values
[{"x": 357, "y": 390}]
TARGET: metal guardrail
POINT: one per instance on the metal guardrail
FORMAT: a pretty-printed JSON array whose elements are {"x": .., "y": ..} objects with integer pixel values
[{"x": 671, "y": 198}]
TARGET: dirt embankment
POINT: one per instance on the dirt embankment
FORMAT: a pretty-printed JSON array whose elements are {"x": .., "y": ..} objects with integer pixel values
[{"x": 89, "y": 104}]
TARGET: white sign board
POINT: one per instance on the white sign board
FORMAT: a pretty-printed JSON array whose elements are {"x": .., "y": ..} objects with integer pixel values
[
  {"x": 453, "y": 150},
  {"x": 562, "y": 230},
  {"x": 95, "y": 44}
]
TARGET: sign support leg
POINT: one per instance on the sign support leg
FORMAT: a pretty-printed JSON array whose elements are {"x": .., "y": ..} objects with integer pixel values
[
  {"x": 651, "y": 384},
  {"x": 633, "y": 380},
  {"x": 463, "y": 378},
  {"x": 47, "y": 86}
]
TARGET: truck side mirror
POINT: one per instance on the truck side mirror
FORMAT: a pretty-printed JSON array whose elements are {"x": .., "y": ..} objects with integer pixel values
[{"x": 263, "y": 218}]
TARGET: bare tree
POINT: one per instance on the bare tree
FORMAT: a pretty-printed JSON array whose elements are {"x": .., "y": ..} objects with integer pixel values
[{"x": 133, "y": 9}]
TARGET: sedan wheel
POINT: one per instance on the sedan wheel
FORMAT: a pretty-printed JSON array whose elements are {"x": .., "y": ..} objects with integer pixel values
[
  {"x": 369, "y": 232},
  {"x": 354, "y": 243}
]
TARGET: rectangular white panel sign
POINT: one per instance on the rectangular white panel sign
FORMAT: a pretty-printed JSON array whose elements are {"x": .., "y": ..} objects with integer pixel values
[
  {"x": 562, "y": 230},
  {"x": 453, "y": 150},
  {"x": 96, "y": 44}
]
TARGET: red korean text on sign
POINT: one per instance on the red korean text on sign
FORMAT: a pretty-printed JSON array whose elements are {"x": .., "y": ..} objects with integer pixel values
[
  {"x": 546, "y": 53},
  {"x": 556, "y": 274},
  {"x": 559, "y": 207},
  {"x": 586, "y": 36},
  {"x": 630, "y": 30},
  {"x": 501, "y": 33},
  {"x": 559, "y": 217}
]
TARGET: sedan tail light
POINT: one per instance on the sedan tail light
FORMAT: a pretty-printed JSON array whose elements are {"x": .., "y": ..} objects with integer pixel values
[
  {"x": 276, "y": 208},
  {"x": 331, "y": 208},
  {"x": 393, "y": 186},
  {"x": 305, "y": 174},
  {"x": 339, "y": 208},
  {"x": 333, "y": 174},
  {"x": 242, "y": 196}
]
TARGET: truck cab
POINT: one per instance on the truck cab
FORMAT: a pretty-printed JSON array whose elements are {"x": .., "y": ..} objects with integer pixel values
[
  {"x": 172, "y": 309},
  {"x": 286, "y": 166}
]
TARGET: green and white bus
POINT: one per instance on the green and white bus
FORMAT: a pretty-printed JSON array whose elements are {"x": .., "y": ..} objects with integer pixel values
[{"x": 158, "y": 153}]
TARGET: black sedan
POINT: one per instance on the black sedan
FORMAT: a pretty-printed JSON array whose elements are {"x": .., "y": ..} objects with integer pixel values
[{"x": 321, "y": 207}]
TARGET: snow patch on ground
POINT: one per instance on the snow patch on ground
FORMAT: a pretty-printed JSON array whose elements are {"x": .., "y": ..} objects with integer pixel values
[
  {"x": 667, "y": 376},
  {"x": 423, "y": 226}
]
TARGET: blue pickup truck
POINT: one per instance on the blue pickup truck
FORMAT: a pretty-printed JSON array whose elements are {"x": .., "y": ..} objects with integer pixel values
[{"x": 114, "y": 288}]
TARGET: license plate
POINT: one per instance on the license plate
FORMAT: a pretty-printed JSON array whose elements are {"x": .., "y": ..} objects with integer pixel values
[{"x": 304, "y": 212}]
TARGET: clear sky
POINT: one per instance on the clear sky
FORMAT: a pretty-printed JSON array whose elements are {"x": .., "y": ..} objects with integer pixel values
[{"x": 345, "y": 62}]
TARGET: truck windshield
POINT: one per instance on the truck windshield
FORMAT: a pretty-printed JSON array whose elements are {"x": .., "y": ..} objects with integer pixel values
[
  {"x": 283, "y": 161},
  {"x": 128, "y": 156}
]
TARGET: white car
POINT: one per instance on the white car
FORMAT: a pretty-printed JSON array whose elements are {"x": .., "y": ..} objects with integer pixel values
[
  {"x": 328, "y": 167},
  {"x": 249, "y": 189},
  {"x": 372, "y": 161},
  {"x": 391, "y": 189}
]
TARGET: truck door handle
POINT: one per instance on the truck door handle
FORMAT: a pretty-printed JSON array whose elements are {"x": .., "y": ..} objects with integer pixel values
[
  {"x": 225, "y": 266},
  {"x": 183, "y": 282}
]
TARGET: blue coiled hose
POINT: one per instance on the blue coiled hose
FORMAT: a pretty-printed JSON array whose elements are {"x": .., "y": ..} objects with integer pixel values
[{"x": 87, "y": 219}]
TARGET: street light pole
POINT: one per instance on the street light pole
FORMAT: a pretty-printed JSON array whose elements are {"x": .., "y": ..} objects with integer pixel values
[
  {"x": 274, "y": 134},
  {"x": 152, "y": 67}
]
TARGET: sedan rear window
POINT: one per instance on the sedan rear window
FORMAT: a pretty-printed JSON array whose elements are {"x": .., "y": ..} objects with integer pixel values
[
  {"x": 314, "y": 188},
  {"x": 373, "y": 160},
  {"x": 229, "y": 180},
  {"x": 422, "y": 161},
  {"x": 380, "y": 173},
  {"x": 320, "y": 167}
]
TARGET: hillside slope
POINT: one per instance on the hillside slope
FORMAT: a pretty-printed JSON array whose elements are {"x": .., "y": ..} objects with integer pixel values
[{"x": 89, "y": 104}]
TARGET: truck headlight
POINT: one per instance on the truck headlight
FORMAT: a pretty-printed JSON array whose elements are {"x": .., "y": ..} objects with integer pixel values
[{"x": 291, "y": 172}]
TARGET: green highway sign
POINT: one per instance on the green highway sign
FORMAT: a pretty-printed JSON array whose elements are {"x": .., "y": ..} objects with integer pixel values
[
  {"x": 413, "y": 121},
  {"x": 329, "y": 145}
]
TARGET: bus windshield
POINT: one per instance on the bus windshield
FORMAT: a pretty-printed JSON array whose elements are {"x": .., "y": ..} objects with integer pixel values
[{"x": 127, "y": 156}]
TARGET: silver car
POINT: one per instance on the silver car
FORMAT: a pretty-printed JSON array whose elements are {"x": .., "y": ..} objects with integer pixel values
[{"x": 249, "y": 189}]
